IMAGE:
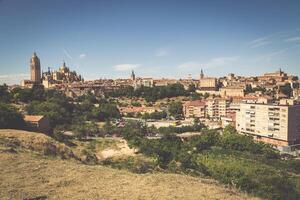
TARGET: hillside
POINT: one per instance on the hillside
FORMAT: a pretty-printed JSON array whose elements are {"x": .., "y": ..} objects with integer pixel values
[{"x": 25, "y": 173}]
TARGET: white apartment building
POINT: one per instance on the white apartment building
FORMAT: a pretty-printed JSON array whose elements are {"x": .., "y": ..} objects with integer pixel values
[
  {"x": 193, "y": 109},
  {"x": 216, "y": 107},
  {"x": 277, "y": 124}
]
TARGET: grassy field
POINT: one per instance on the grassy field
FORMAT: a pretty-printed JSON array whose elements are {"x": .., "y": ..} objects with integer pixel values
[{"x": 27, "y": 173}]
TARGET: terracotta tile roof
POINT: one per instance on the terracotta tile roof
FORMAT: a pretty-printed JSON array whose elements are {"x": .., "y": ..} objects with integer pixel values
[
  {"x": 194, "y": 103},
  {"x": 33, "y": 118}
]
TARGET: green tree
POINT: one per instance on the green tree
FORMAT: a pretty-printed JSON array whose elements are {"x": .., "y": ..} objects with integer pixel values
[
  {"x": 22, "y": 95},
  {"x": 58, "y": 110},
  {"x": 155, "y": 115},
  {"x": 175, "y": 109},
  {"x": 192, "y": 88},
  {"x": 4, "y": 94},
  {"x": 204, "y": 141},
  {"x": 110, "y": 111},
  {"x": 229, "y": 129},
  {"x": 37, "y": 93},
  {"x": 287, "y": 90},
  {"x": 10, "y": 118}
]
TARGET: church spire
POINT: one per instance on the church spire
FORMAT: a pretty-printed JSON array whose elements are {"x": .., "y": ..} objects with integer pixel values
[{"x": 201, "y": 74}]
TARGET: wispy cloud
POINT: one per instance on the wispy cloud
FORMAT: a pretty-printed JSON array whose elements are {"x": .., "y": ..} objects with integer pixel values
[
  {"x": 126, "y": 67},
  {"x": 275, "y": 54},
  {"x": 274, "y": 38},
  {"x": 268, "y": 39},
  {"x": 259, "y": 42},
  {"x": 162, "y": 52},
  {"x": 67, "y": 53},
  {"x": 293, "y": 39},
  {"x": 82, "y": 56},
  {"x": 11, "y": 79}
]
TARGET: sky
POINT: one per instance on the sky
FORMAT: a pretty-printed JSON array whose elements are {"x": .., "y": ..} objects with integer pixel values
[{"x": 156, "y": 38}]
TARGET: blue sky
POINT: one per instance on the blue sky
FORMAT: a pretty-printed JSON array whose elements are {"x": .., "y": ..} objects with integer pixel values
[{"x": 157, "y": 38}]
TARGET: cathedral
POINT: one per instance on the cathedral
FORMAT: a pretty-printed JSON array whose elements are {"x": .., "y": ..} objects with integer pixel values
[
  {"x": 63, "y": 75},
  {"x": 49, "y": 78}
]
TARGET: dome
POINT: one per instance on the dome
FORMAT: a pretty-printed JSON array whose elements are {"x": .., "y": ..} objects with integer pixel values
[{"x": 64, "y": 68}]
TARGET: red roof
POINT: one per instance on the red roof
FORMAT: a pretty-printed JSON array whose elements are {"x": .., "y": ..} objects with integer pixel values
[
  {"x": 33, "y": 118},
  {"x": 194, "y": 103}
]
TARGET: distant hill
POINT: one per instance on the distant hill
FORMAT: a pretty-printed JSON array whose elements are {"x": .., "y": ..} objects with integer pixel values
[{"x": 26, "y": 172}]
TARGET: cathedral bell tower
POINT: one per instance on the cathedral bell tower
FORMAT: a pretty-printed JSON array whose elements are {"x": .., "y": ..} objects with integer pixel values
[{"x": 35, "y": 69}]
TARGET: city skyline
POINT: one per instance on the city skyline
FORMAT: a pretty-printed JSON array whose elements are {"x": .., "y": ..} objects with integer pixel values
[{"x": 181, "y": 38}]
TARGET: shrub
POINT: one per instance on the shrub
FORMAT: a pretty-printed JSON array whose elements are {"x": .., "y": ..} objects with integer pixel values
[
  {"x": 249, "y": 174},
  {"x": 234, "y": 141},
  {"x": 133, "y": 164},
  {"x": 204, "y": 141},
  {"x": 49, "y": 149}
]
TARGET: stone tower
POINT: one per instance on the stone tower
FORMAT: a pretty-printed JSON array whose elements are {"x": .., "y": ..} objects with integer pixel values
[
  {"x": 35, "y": 69},
  {"x": 132, "y": 75}
]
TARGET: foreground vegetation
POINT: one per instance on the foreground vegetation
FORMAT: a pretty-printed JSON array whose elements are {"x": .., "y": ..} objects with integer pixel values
[
  {"x": 26, "y": 172},
  {"x": 230, "y": 158}
]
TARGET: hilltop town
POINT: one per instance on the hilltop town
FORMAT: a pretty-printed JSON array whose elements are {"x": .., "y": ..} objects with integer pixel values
[
  {"x": 266, "y": 106},
  {"x": 149, "y": 100},
  {"x": 240, "y": 131}
]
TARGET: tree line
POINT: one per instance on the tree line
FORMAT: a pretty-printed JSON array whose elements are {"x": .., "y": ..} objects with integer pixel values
[
  {"x": 62, "y": 112},
  {"x": 150, "y": 94}
]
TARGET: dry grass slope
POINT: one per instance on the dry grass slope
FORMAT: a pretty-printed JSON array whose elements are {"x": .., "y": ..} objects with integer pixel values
[
  {"x": 24, "y": 175},
  {"x": 36, "y": 142}
]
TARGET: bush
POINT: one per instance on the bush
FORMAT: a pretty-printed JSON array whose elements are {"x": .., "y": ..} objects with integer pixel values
[
  {"x": 89, "y": 158},
  {"x": 133, "y": 164},
  {"x": 204, "y": 141},
  {"x": 182, "y": 129},
  {"x": 82, "y": 130},
  {"x": 250, "y": 174},
  {"x": 49, "y": 149},
  {"x": 246, "y": 143},
  {"x": 136, "y": 103},
  {"x": 155, "y": 115}
]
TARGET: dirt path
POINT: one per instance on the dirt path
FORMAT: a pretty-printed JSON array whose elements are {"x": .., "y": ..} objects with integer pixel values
[{"x": 123, "y": 150}]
